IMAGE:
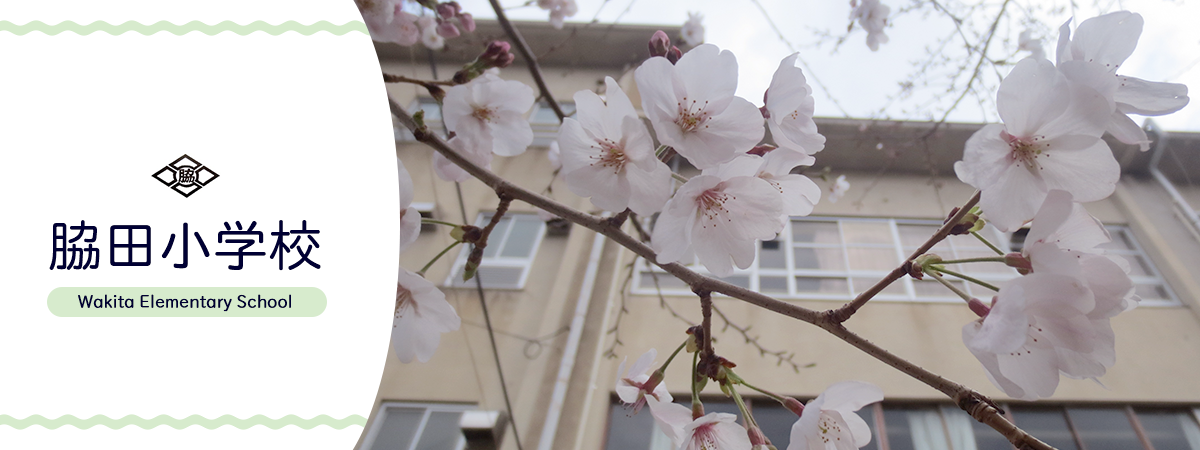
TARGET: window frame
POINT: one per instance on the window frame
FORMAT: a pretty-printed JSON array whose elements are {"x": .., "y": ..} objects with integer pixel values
[
  {"x": 1155, "y": 275},
  {"x": 429, "y": 409},
  {"x": 545, "y": 132},
  {"x": 790, "y": 272},
  {"x": 881, "y": 440},
  {"x": 755, "y": 272},
  {"x": 524, "y": 262}
]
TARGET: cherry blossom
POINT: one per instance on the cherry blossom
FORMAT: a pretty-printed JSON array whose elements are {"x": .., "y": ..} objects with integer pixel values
[
  {"x": 671, "y": 419},
  {"x": 636, "y": 387},
  {"x": 1038, "y": 325},
  {"x": 830, "y": 421},
  {"x": 387, "y": 23},
  {"x": 726, "y": 215},
  {"x": 872, "y": 16},
  {"x": 838, "y": 189},
  {"x": 410, "y": 218},
  {"x": 715, "y": 431},
  {"x": 1064, "y": 239},
  {"x": 471, "y": 148},
  {"x": 559, "y": 10},
  {"x": 1050, "y": 139},
  {"x": 1026, "y": 42},
  {"x": 789, "y": 109},
  {"x": 798, "y": 193},
  {"x": 693, "y": 30},
  {"x": 608, "y": 155},
  {"x": 692, "y": 107},
  {"x": 430, "y": 35},
  {"x": 1065, "y": 224},
  {"x": 491, "y": 109},
  {"x": 422, "y": 315},
  {"x": 1055, "y": 320},
  {"x": 1105, "y": 42}
]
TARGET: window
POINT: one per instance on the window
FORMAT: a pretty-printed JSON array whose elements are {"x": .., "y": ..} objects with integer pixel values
[
  {"x": 1147, "y": 281},
  {"x": 836, "y": 258},
  {"x": 545, "y": 122},
  {"x": 508, "y": 255},
  {"x": 828, "y": 258},
  {"x": 914, "y": 426},
  {"x": 414, "y": 426}
]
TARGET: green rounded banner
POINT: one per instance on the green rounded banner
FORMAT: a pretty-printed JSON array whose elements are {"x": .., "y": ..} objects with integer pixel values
[{"x": 186, "y": 302}]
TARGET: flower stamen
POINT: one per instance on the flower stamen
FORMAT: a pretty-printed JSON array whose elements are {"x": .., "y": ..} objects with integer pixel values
[
  {"x": 612, "y": 154},
  {"x": 691, "y": 115},
  {"x": 484, "y": 114},
  {"x": 1026, "y": 151},
  {"x": 404, "y": 299},
  {"x": 711, "y": 204}
]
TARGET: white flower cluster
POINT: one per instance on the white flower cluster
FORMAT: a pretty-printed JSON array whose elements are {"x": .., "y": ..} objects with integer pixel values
[
  {"x": 422, "y": 313},
  {"x": 827, "y": 422},
  {"x": 1046, "y": 156},
  {"x": 1054, "y": 319},
  {"x": 739, "y": 197},
  {"x": 872, "y": 17},
  {"x": 388, "y": 22},
  {"x": 1054, "y": 117},
  {"x": 559, "y": 10}
]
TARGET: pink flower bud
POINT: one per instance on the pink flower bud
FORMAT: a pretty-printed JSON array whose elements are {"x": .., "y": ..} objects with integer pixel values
[
  {"x": 656, "y": 377},
  {"x": 659, "y": 44},
  {"x": 794, "y": 406},
  {"x": 498, "y": 54},
  {"x": 446, "y": 10},
  {"x": 978, "y": 307},
  {"x": 674, "y": 55},
  {"x": 447, "y": 30},
  {"x": 1019, "y": 262},
  {"x": 467, "y": 22},
  {"x": 757, "y": 437}
]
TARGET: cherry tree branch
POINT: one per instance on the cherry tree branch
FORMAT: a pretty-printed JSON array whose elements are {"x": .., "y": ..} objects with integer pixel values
[
  {"x": 979, "y": 406},
  {"x": 391, "y": 78},
  {"x": 783, "y": 356},
  {"x": 530, "y": 60},
  {"x": 706, "y": 308},
  {"x": 843, "y": 314}
]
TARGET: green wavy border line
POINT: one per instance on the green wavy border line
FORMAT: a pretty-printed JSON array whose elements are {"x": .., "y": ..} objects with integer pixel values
[
  {"x": 179, "y": 424},
  {"x": 179, "y": 30}
]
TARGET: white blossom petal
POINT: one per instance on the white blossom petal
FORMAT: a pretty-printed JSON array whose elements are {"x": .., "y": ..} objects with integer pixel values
[
  {"x": 1107, "y": 40},
  {"x": 422, "y": 315},
  {"x": 1150, "y": 98}
]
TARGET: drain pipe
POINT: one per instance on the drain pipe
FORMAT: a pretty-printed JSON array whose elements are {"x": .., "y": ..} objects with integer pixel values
[
  {"x": 1160, "y": 147},
  {"x": 546, "y": 442}
]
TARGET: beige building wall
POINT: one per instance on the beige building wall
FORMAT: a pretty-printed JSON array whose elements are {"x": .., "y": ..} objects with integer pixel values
[{"x": 1158, "y": 348}]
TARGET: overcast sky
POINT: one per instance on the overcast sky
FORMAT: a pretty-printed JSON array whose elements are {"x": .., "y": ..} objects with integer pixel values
[{"x": 861, "y": 80}]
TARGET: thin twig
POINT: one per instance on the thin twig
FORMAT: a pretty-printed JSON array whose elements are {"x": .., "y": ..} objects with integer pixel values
[
  {"x": 808, "y": 70},
  {"x": 616, "y": 328},
  {"x": 783, "y": 356},
  {"x": 976, "y": 404},
  {"x": 390, "y": 78},
  {"x": 975, "y": 73},
  {"x": 967, "y": 277},
  {"x": 843, "y": 314},
  {"x": 534, "y": 69}
]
